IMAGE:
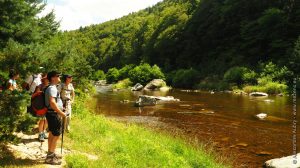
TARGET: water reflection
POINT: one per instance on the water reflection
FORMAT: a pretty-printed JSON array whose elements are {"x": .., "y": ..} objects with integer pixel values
[{"x": 227, "y": 104}]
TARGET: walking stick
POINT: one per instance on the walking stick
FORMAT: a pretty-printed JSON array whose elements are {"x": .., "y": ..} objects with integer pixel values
[{"x": 62, "y": 135}]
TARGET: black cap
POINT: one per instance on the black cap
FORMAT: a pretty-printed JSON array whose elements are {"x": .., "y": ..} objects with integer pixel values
[
  {"x": 52, "y": 74},
  {"x": 68, "y": 76}
]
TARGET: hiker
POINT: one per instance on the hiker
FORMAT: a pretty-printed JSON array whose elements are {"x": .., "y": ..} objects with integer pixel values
[
  {"x": 12, "y": 82},
  {"x": 68, "y": 95},
  {"x": 42, "y": 123},
  {"x": 54, "y": 114},
  {"x": 32, "y": 82}
]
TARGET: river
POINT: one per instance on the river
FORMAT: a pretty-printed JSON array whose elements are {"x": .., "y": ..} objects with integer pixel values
[{"x": 225, "y": 120}]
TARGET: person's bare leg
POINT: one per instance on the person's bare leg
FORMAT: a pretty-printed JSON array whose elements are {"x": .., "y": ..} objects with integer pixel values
[
  {"x": 50, "y": 139},
  {"x": 41, "y": 125},
  {"x": 45, "y": 125},
  {"x": 53, "y": 143}
]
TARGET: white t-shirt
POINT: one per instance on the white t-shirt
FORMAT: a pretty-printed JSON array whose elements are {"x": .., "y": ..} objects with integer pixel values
[
  {"x": 33, "y": 81},
  {"x": 66, "y": 91}
]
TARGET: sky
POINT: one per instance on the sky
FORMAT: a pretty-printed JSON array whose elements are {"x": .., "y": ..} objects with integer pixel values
[{"x": 75, "y": 13}]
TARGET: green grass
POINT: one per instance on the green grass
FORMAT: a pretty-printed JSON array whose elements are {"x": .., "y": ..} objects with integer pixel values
[
  {"x": 128, "y": 145},
  {"x": 123, "y": 84},
  {"x": 270, "y": 88}
]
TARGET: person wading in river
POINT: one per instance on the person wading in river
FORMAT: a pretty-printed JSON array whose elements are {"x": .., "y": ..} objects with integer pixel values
[{"x": 54, "y": 114}]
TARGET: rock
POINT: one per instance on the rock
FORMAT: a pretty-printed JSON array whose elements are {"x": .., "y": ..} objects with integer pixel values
[
  {"x": 137, "y": 87},
  {"x": 164, "y": 89},
  {"x": 167, "y": 98},
  {"x": 155, "y": 84},
  {"x": 101, "y": 83},
  {"x": 186, "y": 90},
  {"x": 263, "y": 153},
  {"x": 227, "y": 91},
  {"x": 284, "y": 162},
  {"x": 146, "y": 101},
  {"x": 261, "y": 116},
  {"x": 258, "y": 94},
  {"x": 280, "y": 94}
]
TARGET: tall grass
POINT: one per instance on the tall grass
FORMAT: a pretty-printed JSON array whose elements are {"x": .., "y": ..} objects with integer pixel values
[{"x": 128, "y": 145}]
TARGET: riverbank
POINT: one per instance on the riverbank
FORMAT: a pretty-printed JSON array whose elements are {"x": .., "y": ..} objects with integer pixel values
[{"x": 128, "y": 145}]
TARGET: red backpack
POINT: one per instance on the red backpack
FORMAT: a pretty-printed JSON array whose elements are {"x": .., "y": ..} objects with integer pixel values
[{"x": 38, "y": 105}]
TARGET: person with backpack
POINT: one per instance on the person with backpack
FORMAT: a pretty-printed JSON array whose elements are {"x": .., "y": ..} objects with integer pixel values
[
  {"x": 54, "y": 117},
  {"x": 32, "y": 82},
  {"x": 42, "y": 123},
  {"x": 68, "y": 95},
  {"x": 12, "y": 82}
]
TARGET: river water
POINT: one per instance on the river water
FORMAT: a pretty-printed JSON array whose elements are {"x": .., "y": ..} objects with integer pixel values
[{"x": 225, "y": 120}]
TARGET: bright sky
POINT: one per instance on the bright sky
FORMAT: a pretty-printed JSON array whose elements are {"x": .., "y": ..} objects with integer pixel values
[{"x": 76, "y": 13}]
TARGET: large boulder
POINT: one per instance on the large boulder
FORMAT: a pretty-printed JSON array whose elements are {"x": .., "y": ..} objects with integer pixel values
[
  {"x": 145, "y": 100},
  {"x": 137, "y": 87},
  {"x": 284, "y": 162},
  {"x": 258, "y": 94},
  {"x": 155, "y": 84}
]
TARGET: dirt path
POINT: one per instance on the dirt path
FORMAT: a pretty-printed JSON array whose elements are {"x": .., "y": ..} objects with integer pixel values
[{"x": 32, "y": 153}]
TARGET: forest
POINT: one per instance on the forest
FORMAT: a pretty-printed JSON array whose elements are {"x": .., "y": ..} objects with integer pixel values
[
  {"x": 212, "y": 44},
  {"x": 242, "y": 46}
]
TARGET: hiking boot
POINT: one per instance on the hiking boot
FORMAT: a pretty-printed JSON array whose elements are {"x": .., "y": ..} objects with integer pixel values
[
  {"x": 53, "y": 160},
  {"x": 41, "y": 137},
  {"x": 58, "y": 156},
  {"x": 45, "y": 135}
]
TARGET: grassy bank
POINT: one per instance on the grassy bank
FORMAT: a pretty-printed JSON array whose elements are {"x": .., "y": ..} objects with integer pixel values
[{"x": 128, "y": 145}]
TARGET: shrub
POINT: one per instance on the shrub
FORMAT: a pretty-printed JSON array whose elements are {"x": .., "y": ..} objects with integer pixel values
[
  {"x": 123, "y": 84},
  {"x": 272, "y": 71},
  {"x": 185, "y": 78},
  {"x": 124, "y": 72},
  {"x": 13, "y": 112},
  {"x": 3, "y": 78},
  {"x": 98, "y": 75},
  {"x": 112, "y": 75},
  {"x": 236, "y": 75},
  {"x": 249, "y": 77},
  {"x": 156, "y": 73},
  {"x": 144, "y": 73}
]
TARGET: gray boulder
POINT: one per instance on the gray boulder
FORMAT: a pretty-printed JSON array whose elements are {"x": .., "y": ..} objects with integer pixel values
[
  {"x": 155, "y": 84},
  {"x": 137, "y": 87},
  {"x": 284, "y": 162},
  {"x": 145, "y": 101},
  {"x": 258, "y": 94}
]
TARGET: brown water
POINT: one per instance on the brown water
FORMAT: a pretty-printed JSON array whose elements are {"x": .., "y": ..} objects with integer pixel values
[{"x": 225, "y": 119}]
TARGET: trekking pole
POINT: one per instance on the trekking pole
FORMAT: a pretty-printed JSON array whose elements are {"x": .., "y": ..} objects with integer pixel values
[{"x": 62, "y": 135}]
